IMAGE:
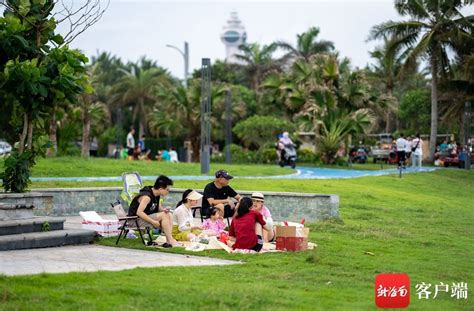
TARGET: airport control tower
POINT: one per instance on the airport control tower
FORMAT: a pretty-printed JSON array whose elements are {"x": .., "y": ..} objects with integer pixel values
[{"x": 232, "y": 36}]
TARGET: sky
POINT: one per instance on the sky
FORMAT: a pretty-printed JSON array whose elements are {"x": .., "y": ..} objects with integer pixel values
[{"x": 130, "y": 29}]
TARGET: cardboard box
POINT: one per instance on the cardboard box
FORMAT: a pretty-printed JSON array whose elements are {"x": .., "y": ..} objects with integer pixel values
[
  {"x": 103, "y": 227},
  {"x": 291, "y": 238}
]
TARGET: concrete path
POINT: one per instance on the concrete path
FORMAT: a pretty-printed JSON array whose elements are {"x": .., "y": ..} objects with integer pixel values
[{"x": 89, "y": 258}]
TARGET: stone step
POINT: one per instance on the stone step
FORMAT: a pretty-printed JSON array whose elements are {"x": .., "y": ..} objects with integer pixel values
[
  {"x": 45, "y": 239},
  {"x": 35, "y": 224}
]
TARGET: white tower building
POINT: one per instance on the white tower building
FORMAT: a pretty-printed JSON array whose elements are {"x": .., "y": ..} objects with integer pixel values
[{"x": 233, "y": 35}]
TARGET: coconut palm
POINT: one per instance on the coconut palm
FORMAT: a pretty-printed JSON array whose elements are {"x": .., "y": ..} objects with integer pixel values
[
  {"x": 306, "y": 45},
  {"x": 387, "y": 73},
  {"x": 258, "y": 61},
  {"x": 137, "y": 88},
  {"x": 433, "y": 28},
  {"x": 180, "y": 112}
]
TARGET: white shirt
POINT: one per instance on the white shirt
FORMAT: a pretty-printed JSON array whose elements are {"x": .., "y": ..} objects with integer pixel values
[
  {"x": 130, "y": 140},
  {"x": 183, "y": 217},
  {"x": 401, "y": 144},
  {"x": 173, "y": 156},
  {"x": 408, "y": 146},
  {"x": 419, "y": 150}
]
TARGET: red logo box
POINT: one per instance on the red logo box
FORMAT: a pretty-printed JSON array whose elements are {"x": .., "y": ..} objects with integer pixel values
[{"x": 392, "y": 290}]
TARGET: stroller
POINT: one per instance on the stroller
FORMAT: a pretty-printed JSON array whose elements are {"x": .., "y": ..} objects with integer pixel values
[{"x": 288, "y": 156}]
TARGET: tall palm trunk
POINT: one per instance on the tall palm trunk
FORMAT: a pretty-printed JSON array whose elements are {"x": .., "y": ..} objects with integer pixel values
[
  {"x": 86, "y": 127},
  {"x": 434, "y": 107}
]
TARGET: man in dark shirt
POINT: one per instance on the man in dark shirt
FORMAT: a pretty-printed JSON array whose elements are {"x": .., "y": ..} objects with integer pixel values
[
  {"x": 219, "y": 194},
  {"x": 147, "y": 206}
]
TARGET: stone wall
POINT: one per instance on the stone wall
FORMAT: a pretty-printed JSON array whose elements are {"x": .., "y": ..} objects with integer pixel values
[{"x": 70, "y": 201}]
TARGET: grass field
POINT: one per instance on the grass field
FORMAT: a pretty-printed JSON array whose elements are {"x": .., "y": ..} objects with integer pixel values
[{"x": 421, "y": 224}]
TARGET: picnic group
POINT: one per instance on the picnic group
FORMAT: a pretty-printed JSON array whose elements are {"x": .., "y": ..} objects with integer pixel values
[{"x": 251, "y": 224}]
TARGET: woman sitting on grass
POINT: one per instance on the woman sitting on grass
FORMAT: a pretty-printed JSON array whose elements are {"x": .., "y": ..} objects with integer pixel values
[
  {"x": 247, "y": 226},
  {"x": 183, "y": 228}
]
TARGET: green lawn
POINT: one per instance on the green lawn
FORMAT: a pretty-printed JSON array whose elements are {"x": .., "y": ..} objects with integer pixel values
[{"x": 421, "y": 224}]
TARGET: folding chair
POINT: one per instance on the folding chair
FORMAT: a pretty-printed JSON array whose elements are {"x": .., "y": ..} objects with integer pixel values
[
  {"x": 128, "y": 223},
  {"x": 132, "y": 183}
]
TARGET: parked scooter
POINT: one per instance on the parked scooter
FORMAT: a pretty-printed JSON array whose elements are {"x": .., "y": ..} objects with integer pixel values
[{"x": 288, "y": 156}]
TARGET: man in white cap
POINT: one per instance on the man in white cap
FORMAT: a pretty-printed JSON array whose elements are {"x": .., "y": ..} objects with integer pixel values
[{"x": 259, "y": 205}]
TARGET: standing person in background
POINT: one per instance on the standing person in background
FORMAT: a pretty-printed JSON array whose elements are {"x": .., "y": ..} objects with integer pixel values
[
  {"x": 417, "y": 151},
  {"x": 408, "y": 149},
  {"x": 173, "y": 155},
  {"x": 401, "y": 147},
  {"x": 130, "y": 143}
]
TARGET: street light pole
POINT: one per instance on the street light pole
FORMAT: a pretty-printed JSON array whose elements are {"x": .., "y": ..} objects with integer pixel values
[{"x": 185, "y": 55}]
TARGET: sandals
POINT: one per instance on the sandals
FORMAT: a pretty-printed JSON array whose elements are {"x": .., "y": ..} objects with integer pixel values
[{"x": 166, "y": 245}]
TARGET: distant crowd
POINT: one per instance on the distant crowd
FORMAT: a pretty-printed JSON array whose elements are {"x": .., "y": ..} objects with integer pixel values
[{"x": 139, "y": 151}]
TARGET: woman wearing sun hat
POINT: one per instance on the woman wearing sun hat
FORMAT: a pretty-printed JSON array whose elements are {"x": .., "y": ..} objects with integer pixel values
[
  {"x": 259, "y": 205},
  {"x": 183, "y": 228}
]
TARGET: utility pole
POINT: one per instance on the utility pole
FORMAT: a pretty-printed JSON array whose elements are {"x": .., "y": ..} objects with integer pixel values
[
  {"x": 205, "y": 115},
  {"x": 185, "y": 54}
]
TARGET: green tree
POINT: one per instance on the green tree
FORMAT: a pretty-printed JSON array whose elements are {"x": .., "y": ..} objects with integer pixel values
[
  {"x": 260, "y": 131},
  {"x": 386, "y": 74},
  {"x": 137, "y": 89},
  {"x": 415, "y": 111},
  {"x": 434, "y": 26},
  {"x": 306, "y": 45},
  {"x": 258, "y": 62},
  {"x": 34, "y": 77}
]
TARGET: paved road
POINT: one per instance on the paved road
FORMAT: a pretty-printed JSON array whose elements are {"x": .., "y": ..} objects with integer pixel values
[{"x": 89, "y": 258}]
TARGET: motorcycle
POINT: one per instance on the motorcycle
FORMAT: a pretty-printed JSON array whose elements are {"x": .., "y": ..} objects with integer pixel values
[{"x": 288, "y": 156}]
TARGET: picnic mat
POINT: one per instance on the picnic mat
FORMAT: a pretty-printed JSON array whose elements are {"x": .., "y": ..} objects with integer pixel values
[{"x": 214, "y": 243}]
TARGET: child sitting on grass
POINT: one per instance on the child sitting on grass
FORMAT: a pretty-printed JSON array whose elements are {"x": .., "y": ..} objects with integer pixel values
[{"x": 214, "y": 225}]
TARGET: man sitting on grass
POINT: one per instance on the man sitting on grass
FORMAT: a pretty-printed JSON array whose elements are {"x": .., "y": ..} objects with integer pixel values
[{"x": 147, "y": 206}]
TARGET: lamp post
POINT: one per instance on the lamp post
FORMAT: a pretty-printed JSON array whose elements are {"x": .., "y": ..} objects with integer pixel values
[{"x": 185, "y": 55}]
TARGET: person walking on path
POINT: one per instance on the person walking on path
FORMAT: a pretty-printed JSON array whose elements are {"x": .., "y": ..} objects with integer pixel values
[{"x": 401, "y": 147}]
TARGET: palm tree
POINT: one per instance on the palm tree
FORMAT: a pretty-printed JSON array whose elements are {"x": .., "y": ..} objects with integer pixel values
[
  {"x": 433, "y": 28},
  {"x": 258, "y": 61},
  {"x": 306, "y": 45},
  {"x": 387, "y": 72},
  {"x": 180, "y": 112},
  {"x": 138, "y": 90}
]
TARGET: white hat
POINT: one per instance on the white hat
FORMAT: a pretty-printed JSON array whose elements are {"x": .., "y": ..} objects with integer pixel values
[
  {"x": 194, "y": 195},
  {"x": 257, "y": 196}
]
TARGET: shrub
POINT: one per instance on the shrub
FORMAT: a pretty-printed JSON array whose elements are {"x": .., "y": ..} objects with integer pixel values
[{"x": 308, "y": 156}]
